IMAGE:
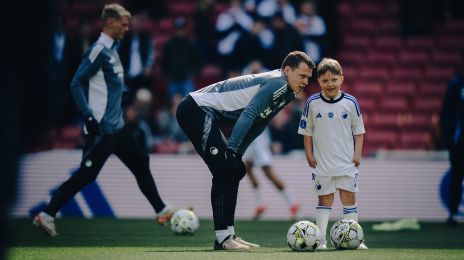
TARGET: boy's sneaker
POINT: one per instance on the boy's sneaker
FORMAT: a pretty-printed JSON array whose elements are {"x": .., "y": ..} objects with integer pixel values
[
  {"x": 259, "y": 211},
  {"x": 229, "y": 244},
  {"x": 164, "y": 216},
  {"x": 46, "y": 223},
  {"x": 243, "y": 242},
  {"x": 362, "y": 246},
  {"x": 322, "y": 247},
  {"x": 294, "y": 210}
]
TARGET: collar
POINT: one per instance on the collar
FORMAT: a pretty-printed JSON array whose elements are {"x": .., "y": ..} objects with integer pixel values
[
  {"x": 335, "y": 100},
  {"x": 107, "y": 40}
]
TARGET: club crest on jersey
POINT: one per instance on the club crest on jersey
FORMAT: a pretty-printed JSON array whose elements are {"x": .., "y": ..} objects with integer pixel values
[
  {"x": 344, "y": 115},
  {"x": 318, "y": 115},
  {"x": 213, "y": 150},
  {"x": 330, "y": 114},
  {"x": 303, "y": 124}
]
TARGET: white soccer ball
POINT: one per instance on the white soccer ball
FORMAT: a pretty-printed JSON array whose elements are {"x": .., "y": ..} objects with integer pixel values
[
  {"x": 184, "y": 222},
  {"x": 303, "y": 236},
  {"x": 346, "y": 234}
]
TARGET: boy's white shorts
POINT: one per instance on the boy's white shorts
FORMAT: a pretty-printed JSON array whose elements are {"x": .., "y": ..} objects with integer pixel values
[{"x": 324, "y": 185}]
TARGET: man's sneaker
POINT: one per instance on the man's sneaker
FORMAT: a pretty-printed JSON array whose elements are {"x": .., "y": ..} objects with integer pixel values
[
  {"x": 164, "y": 216},
  {"x": 322, "y": 246},
  {"x": 243, "y": 242},
  {"x": 259, "y": 211},
  {"x": 46, "y": 223},
  {"x": 362, "y": 246},
  {"x": 294, "y": 210},
  {"x": 229, "y": 244}
]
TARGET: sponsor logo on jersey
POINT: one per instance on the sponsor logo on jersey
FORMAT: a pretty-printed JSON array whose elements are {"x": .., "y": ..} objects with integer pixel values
[
  {"x": 213, "y": 150},
  {"x": 318, "y": 115}
]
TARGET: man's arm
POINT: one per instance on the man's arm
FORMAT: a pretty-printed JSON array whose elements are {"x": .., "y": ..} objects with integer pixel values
[
  {"x": 308, "y": 145},
  {"x": 358, "y": 143},
  {"x": 89, "y": 66}
]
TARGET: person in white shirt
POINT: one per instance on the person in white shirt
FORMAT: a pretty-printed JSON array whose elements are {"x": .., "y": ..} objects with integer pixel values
[{"x": 333, "y": 131}]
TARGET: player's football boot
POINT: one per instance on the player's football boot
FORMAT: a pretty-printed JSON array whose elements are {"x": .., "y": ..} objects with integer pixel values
[
  {"x": 229, "y": 244},
  {"x": 259, "y": 211},
  {"x": 362, "y": 246},
  {"x": 164, "y": 216},
  {"x": 294, "y": 210},
  {"x": 46, "y": 223},
  {"x": 243, "y": 242},
  {"x": 322, "y": 247}
]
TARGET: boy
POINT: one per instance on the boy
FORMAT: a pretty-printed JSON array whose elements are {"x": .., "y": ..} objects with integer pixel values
[{"x": 333, "y": 131}]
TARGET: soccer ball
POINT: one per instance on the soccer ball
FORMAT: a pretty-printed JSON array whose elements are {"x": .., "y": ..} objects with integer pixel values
[
  {"x": 184, "y": 222},
  {"x": 346, "y": 234},
  {"x": 303, "y": 236}
]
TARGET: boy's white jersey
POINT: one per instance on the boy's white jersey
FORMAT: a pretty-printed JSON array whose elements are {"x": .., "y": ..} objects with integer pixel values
[{"x": 332, "y": 125}]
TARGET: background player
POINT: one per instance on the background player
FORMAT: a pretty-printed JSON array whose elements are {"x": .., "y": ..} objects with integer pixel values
[
  {"x": 259, "y": 154},
  {"x": 97, "y": 88},
  {"x": 333, "y": 131}
]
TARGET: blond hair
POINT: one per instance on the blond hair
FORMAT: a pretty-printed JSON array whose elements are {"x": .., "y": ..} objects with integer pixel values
[{"x": 115, "y": 11}]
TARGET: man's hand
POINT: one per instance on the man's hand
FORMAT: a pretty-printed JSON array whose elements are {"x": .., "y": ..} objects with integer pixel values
[
  {"x": 234, "y": 165},
  {"x": 92, "y": 126}
]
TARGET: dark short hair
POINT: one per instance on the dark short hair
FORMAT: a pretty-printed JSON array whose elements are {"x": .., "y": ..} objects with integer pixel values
[
  {"x": 294, "y": 59},
  {"x": 116, "y": 11},
  {"x": 331, "y": 65}
]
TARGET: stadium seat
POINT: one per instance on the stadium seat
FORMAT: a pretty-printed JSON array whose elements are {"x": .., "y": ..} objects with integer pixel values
[
  {"x": 351, "y": 57},
  {"x": 367, "y": 89},
  {"x": 427, "y": 104},
  {"x": 413, "y": 57},
  {"x": 452, "y": 42},
  {"x": 380, "y": 139},
  {"x": 432, "y": 89},
  {"x": 406, "y": 72},
  {"x": 447, "y": 58},
  {"x": 414, "y": 140},
  {"x": 421, "y": 121},
  {"x": 386, "y": 121},
  {"x": 367, "y": 105},
  {"x": 388, "y": 42},
  {"x": 357, "y": 42},
  {"x": 389, "y": 26},
  {"x": 362, "y": 26},
  {"x": 374, "y": 73},
  {"x": 379, "y": 57},
  {"x": 393, "y": 105},
  {"x": 439, "y": 73},
  {"x": 454, "y": 27},
  {"x": 421, "y": 43},
  {"x": 181, "y": 8},
  {"x": 401, "y": 89}
]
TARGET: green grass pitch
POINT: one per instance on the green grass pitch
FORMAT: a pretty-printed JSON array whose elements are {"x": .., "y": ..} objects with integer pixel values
[{"x": 106, "y": 238}]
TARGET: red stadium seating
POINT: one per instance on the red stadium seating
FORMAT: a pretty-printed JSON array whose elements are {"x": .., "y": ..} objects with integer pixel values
[
  {"x": 414, "y": 140},
  {"x": 401, "y": 89},
  {"x": 426, "y": 104},
  {"x": 394, "y": 105}
]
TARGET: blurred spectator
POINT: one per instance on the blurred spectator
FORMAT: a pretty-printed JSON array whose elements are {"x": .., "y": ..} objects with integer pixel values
[
  {"x": 138, "y": 56},
  {"x": 154, "y": 9},
  {"x": 254, "y": 45},
  {"x": 140, "y": 118},
  {"x": 231, "y": 25},
  {"x": 452, "y": 119},
  {"x": 254, "y": 67},
  {"x": 286, "y": 39},
  {"x": 269, "y": 8},
  {"x": 313, "y": 29},
  {"x": 205, "y": 19},
  {"x": 418, "y": 16},
  {"x": 181, "y": 61}
]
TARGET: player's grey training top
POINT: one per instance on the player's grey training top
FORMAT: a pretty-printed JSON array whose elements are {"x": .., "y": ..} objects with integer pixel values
[
  {"x": 249, "y": 102},
  {"x": 98, "y": 84}
]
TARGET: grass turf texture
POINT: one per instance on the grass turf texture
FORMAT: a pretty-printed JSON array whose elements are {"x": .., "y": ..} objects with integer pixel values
[{"x": 103, "y": 238}]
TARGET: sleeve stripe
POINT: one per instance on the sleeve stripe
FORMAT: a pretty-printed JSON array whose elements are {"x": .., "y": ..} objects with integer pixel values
[
  {"x": 356, "y": 105},
  {"x": 95, "y": 51}
]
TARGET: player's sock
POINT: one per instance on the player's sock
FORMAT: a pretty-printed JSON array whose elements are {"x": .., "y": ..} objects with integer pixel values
[
  {"x": 350, "y": 212},
  {"x": 322, "y": 219},
  {"x": 221, "y": 235},
  {"x": 231, "y": 230},
  {"x": 287, "y": 196},
  {"x": 259, "y": 198}
]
